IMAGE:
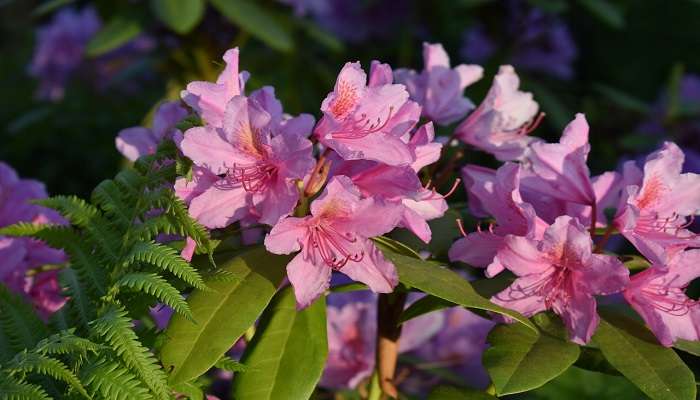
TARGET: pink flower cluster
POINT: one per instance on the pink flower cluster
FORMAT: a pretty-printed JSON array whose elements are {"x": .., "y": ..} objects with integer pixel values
[
  {"x": 327, "y": 188},
  {"x": 21, "y": 257},
  {"x": 254, "y": 164},
  {"x": 544, "y": 209}
]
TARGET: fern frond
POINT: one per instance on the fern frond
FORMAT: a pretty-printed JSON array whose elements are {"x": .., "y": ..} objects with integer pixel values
[
  {"x": 79, "y": 308},
  {"x": 30, "y": 362},
  {"x": 115, "y": 202},
  {"x": 229, "y": 364},
  {"x": 12, "y": 389},
  {"x": 158, "y": 287},
  {"x": 130, "y": 182},
  {"x": 116, "y": 329},
  {"x": 175, "y": 207},
  {"x": 189, "y": 390},
  {"x": 112, "y": 381},
  {"x": 88, "y": 217},
  {"x": 23, "y": 229},
  {"x": 19, "y": 322},
  {"x": 153, "y": 226},
  {"x": 166, "y": 258},
  {"x": 66, "y": 342}
]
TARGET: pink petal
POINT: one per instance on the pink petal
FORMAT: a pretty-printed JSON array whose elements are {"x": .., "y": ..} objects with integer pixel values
[
  {"x": 220, "y": 205},
  {"x": 136, "y": 142},
  {"x": 207, "y": 149},
  {"x": 308, "y": 280},
  {"x": 477, "y": 249},
  {"x": 373, "y": 270},
  {"x": 285, "y": 236}
]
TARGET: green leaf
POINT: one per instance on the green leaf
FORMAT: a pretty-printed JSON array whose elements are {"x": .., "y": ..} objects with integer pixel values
[
  {"x": 26, "y": 362},
  {"x": 453, "y": 393},
  {"x": 606, "y": 12},
  {"x": 434, "y": 279},
  {"x": 49, "y": 6},
  {"x": 253, "y": 18},
  {"x": 190, "y": 390},
  {"x": 633, "y": 350},
  {"x": 223, "y": 314},
  {"x": 157, "y": 287},
  {"x": 519, "y": 360},
  {"x": 18, "y": 321},
  {"x": 112, "y": 381},
  {"x": 621, "y": 98},
  {"x": 179, "y": 15},
  {"x": 115, "y": 33},
  {"x": 285, "y": 359},
  {"x": 229, "y": 364},
  {"x": 424, "y": 305},
  {"x": 692, "y": 347}
]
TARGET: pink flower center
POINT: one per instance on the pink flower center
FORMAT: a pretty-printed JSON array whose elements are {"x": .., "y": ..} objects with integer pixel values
[
  {"x": 555, "y": 285},
  {"x": 671, "y": 300},
  {"x": 651, "y": 192},
  {"x": 255, "y": 178},
  {"x": 345, "y": 99},
  {"x": 334, "y": 248},
  {"x": 363, "y": 126}
]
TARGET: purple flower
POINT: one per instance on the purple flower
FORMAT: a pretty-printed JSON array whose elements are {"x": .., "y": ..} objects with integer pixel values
[
  {"x": 499, "y": 125},
  {"x": 655, "y": 209},
  {"x": 367, "y": 120},
  {"x": 259, "y": 158},
  {"x": 336, "y": 236},
  {"x": 60, "y": 49},
  {"x": 658, "y": 295},
  {"x": 140, "y": 141},
  {"x": 560, "y": 273},
  {"x": 477, "y": 45},
  {"x": 438, "y": 88},
  {"x": 19, "y": 255}
]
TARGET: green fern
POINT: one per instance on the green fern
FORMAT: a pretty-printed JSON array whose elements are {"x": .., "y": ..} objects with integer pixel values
[
  {"x": 30, "y": 362},
  {"x": 18, "y": 322},
  {"x": 166, "y": 258},
  {"x": 116, "y": 329},
  {"x": 158, "y": 287},
  {"x": 110, "y": 380},
  {"x": 229, "y": 364},
  {"x": 66, "y": 342},
  {"x": 12, "y": 389}
]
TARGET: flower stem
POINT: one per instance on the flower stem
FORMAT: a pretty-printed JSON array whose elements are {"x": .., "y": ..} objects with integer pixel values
[
  {"x": 375, "y": 391},
  {"x": 389, "y": 309}
]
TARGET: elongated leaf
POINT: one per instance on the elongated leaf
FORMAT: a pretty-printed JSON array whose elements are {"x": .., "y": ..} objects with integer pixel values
[
  {"x": 688, "y": 346},
  {"x": 287, "y": 354},
  {"x": 116, "y": 32},
  {"x": 223, "y": 313},
  {"x": 256, "y": 20},
  {"x": 180, "y": 16},
  {"x": 445, "y": 284},
  {"x": 453, "y": 393},
  {"x": 606, "y": 12},
  {"x": 519, "y": 360},
  {"x": 633, "y": 350},
  {"x": 424, "y": 305}
]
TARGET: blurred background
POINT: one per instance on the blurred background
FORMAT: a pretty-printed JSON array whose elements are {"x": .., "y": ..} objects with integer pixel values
[{"x": 74, "y": 73}]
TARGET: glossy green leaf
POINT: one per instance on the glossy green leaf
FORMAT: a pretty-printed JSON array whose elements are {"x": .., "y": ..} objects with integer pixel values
[
  {"x": 256, "y": 20},
  {"x": 454, "y": 393},
  {"x": 424, "y": 305},
  {"x": 179, "y": 15},
  {"x": 692, "y": 347},
  {"x": 519, "y": 360},
  {"x": 439, "y": 281},
  {"x": 285, "y": 359},
  {"x": 606, "y": 12},
  {"x": 622, "y": 99},
  {"x": 49, "y": 7},
  {"x": 116, "y": 32},
  {"x": 630, "y": 348},
  {"x": 223, "y": 313}
]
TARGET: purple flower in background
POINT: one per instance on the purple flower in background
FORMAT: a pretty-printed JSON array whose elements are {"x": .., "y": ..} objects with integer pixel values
[
  {"x": 352, "y": 331},
  {"x": 19, "y": 255},
  {"x": 438, "y": 88},
  {"x": 60, "y": 49},
  {"x": 140, "y": 141},
  {"x": 539, "y": 41},
  {"x": 353, "y": 20}
]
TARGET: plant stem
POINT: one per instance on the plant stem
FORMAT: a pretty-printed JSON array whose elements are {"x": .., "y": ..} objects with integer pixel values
[
  {"x": 375, "y": 391},
  {"x": 389, "y": 309}
]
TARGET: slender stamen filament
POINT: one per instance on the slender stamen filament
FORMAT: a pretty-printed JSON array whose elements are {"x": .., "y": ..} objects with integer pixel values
[
  {"x": 671, "y": 300},
  {"x": 551, "y": 286},
  {"x": 436, "y": 195},
  {"x": 254, "y": 178},
  {"x": 530, "y": 126},
  {"x": 331, "y": 246},
  {"x": 364, "y": 126}
]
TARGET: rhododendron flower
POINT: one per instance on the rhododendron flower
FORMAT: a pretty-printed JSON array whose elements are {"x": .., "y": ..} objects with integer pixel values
[
  {"x": 352, "y": 336},
  {"x": 210, "y": 99},
  {"x": 655, "y": 211},
  {"x": 496, "y": 194},
  {"x": 560, "y": 273},
  {"x": 19, "y": 255},
  {"x": 139, "y": 141},
  {"x": 364, "y": 120},
  {"x": 559, "y": 170},
  {"x": 438, "y": 88},
  {"x": 658, "y": 295},
  {"x": 500, "y": 125},
  {"x": 259, "y": 161},
  {"x": 336, "y": 237}
]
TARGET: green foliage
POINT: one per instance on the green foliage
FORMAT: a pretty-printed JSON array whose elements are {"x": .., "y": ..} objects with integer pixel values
[
  {"x": 180, "y": 16},
  {"x": 113, "y": 260},
  {"x": 257, "y": 21},
  {"x": 193, "y": 348},
  {"x": 285, "y": 359},
  {"x": 116, "y": 32}
]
